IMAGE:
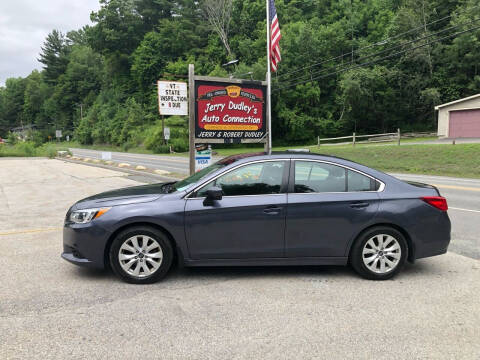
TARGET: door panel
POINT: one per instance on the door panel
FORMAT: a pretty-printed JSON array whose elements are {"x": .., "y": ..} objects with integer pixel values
[
  {"x": 322, "y": 224},
  {"x": 236, "y": 227},
  {"x": 327, "y": 205},
  {"x": 249, "y": 220}
]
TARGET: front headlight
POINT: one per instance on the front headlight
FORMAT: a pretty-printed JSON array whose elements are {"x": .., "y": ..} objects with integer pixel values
[{"x": 86, "y": 215}]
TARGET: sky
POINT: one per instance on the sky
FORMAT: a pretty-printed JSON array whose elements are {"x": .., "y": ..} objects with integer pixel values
[{"x": 24, "y": 25}]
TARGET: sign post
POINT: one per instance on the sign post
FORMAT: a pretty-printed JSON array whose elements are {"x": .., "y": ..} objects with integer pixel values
[
  {"x": 172, "y": 100},
  {"x": 191, "y": 118},
  {"x": 166, "y": 133}
]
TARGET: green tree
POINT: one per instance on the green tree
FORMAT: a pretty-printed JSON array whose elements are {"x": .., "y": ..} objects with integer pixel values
[
  {"x": 13, "y": 100},
  {"x": 171, "y": 41},
  {"x": 54, "y": 56},
  {"x": 36, "y": 92}
]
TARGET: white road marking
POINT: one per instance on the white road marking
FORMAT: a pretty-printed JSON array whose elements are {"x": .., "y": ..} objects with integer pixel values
[
  {"x": 460, "y": 209},
  {"x": 456, "y": 187}
]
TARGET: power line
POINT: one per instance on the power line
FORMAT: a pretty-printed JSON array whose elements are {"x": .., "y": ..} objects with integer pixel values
[
  {"x": 391, "y": 48},
  {"x": 382, "y": 42},
  {"x": 378, "y": 60}
]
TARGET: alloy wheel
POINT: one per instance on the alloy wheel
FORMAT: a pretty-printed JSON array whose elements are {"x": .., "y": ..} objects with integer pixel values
[
  {"x": 381, "y": 253},
  {"x": 140, "y": 256}
]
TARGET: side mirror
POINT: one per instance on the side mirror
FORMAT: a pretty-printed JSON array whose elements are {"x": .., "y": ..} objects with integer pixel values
[{"x": 214, "y": 193}]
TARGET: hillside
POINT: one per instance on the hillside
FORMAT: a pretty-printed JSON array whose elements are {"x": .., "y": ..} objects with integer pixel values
[{"x": 369, "y": 66}]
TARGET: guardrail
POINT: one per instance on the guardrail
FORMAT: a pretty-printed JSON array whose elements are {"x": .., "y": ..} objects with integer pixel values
[{"x": 371, "y": 138}]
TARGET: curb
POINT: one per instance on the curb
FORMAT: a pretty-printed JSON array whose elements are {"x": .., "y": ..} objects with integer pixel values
[{"x": 120, "y": 169}]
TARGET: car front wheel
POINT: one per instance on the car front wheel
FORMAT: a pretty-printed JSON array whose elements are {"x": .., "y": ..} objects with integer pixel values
[
  {"x": 379, "y": 253},
  {"x": 141, "y": 255}
]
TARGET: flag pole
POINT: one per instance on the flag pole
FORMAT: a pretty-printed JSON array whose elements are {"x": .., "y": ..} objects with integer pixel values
[{"x": 269, "y": 106}]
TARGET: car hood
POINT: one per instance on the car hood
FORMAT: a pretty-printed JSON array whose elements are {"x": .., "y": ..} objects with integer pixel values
[{"x": 130, "y": 195}]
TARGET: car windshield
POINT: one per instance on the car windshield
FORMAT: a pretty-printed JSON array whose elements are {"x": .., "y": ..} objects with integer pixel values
[{"x": 185, "y": 183}]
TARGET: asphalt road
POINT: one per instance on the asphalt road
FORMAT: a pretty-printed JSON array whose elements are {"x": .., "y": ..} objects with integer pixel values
[
  {"x": 50, "y": 309},
  {"x": 463, "y": 195},
  {"x": 174, "y": 164}
]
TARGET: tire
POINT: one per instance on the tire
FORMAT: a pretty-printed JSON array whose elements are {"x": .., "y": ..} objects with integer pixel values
[
  {"x": 141, "y": 255},
  {"x": 369, "y": 258}
]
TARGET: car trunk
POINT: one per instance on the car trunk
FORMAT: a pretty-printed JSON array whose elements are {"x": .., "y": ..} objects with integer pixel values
[{"x": 423, "y": 185}]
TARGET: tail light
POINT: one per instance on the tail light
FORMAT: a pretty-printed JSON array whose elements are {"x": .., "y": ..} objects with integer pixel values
[{"x": 436, "y": 201}]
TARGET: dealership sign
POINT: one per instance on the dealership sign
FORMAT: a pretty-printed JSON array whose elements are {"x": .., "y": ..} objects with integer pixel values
[
  {"x": 172, "y": 98},
  {"x": 232, "y": 112}
]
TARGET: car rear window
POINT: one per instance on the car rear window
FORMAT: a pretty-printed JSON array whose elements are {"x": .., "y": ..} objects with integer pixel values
[
  {"x": 318, "y": 177},
  {"x": 313, "y": 176}
]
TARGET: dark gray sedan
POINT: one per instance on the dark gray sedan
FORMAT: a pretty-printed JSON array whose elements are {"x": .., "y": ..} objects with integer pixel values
[{"x": 261, "y": 209}]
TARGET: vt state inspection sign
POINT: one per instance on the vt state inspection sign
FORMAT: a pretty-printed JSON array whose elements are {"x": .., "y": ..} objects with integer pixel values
[
  {"x": 172, "y": 98},
  {"x": 231, "y": 112}
]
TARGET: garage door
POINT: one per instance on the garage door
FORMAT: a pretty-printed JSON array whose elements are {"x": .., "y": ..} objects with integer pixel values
[{"x": 464, "y": 123}]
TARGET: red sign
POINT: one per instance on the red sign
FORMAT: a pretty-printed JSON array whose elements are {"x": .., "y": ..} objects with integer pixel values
[{"x": 229, "y": 111}]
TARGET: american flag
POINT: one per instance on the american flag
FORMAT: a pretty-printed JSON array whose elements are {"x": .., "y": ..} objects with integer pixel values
[{"x": 275, "y": 36}]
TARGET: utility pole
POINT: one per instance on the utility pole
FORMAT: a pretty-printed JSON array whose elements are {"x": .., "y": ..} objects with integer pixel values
[
  {"x": 191, "y": 116},
  {"x": 81, "y": 110},
  {"x": 163, "y": 128},
  {"x": 351, "y": 26},
  {"x": 269, "y": 88},
  {"x": 428, "y": 44}
]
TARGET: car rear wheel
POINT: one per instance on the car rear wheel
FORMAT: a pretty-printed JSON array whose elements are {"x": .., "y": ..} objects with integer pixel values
[
  {"x": 141, "y": 255},
  {"x": 379, "y": 253}
]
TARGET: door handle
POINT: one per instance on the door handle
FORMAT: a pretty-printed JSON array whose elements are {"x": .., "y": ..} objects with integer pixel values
[
  {"x": 359, "y": 205},
  {"x": 272, "y": 210}
]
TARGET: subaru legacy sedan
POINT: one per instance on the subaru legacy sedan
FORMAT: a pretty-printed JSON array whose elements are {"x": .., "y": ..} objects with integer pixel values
[{"x": 261, "y": 209}]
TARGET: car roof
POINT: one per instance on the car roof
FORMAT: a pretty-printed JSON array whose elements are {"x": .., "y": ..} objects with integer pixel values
[
  {"x": 238, "y": 159},
  {"x": 292, "y": 154}
]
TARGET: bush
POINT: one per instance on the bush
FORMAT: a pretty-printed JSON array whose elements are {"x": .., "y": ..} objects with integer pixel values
[
  {"x": 179, "y": 144},
  {"x": 128, "y": 145},
  {"x": 12, "y": 139},
  {"x": 26, "y": 149},
  {"x": 49, "y": 150},
  {"x": 154, "y": 139},
  {"x": 162, "y": 149}
]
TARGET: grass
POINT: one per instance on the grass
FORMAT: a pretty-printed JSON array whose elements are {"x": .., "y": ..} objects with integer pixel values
[
  {"x": 28, "y": 149},
  {"x": 461, "y": 160}
]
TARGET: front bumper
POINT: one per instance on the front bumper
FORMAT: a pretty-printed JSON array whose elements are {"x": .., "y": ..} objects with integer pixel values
[
  {"x": 84, "y": 244},
  {"x": 70, "y": 257}
]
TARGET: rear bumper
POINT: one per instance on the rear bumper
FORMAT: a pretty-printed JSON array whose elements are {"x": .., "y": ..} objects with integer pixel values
[
  {"x": 431, "y": 251},
  {"x": 84, "y": 244},
  {"x": 432, "y": 236}
]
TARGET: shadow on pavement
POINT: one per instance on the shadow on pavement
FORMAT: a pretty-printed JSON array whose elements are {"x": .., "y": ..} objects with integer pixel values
[{"x": 422, "y": 268}]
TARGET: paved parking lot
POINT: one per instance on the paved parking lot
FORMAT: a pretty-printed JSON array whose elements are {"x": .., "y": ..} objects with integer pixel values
[{"x": 52, "y": 309}]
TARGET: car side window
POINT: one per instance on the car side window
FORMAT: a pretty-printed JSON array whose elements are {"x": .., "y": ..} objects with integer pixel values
[
  {"x": 311, "y": 176},
  {"x": 252, "y": 179},
  {"x": 359, "y": 182}
]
